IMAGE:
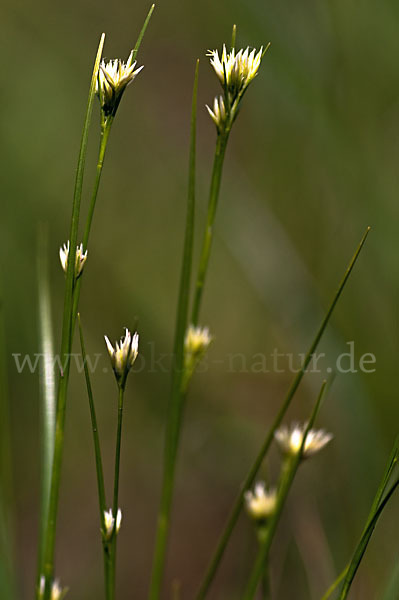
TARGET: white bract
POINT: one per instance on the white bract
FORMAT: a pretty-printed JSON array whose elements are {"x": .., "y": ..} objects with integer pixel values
[
  {"x": 290, "y": 439},
  {"x": 80, "y": 258},
  {"x": 260, "y": 503},
  {"x": 109, "y": 522},
  {"x": 123, "y": 355},
  {"x": 113, "y": 78},
  {"x": 236, "y": 70}
]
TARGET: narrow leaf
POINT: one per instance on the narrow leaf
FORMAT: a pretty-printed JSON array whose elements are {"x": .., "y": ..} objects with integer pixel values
[{"x": 249, "y": 479}]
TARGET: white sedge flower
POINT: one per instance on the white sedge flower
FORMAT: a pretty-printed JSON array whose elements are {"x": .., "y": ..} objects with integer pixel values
[
  {"x": 197, "y": 340},
  {"x": 113, "y": 78},
  {"x": 80, "y": 258},
  {"x": 236, "y": 70},
  {"x": 260, "y": 503},
  {"x": 109, "y": 522},
  {"x": 124, "y": 355},
  {"x": 57, "y": 593},
  {"x": 290, "y": 439},
  {"x": 218, "y": 114}
]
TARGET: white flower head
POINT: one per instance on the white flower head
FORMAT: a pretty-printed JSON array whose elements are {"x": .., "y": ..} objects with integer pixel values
[
  {"x": 236, "y": 70},
  {"x": 109, "y": 522},
  {"x": 290, "y": 439},
  {"x": 113, "y": 78},
  {"x": 218, "y": 114},
  {"x": 123, "y": 356},
  {"x": 57, "y": 592},
  {"x": 197, "y": 341},
  {"x": 260, "y": 503},
  {"x": 80, "y": 258}
]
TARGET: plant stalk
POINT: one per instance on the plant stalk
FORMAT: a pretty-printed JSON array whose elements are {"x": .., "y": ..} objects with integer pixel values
[
  {"x": 289, "y": 470},
  {"x": 47, "y": 566},
  {"x": 220, "y": 151},
  {"x": 177, "y": 399},
  {"x": 250, "y": 478}
]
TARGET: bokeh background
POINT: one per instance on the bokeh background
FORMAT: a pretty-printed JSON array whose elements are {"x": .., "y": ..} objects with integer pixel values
[{"x": 312, "y": 161}]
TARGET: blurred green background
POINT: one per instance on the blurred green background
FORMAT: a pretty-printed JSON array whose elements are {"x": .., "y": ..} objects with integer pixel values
[{"x": 312, "y": 161}]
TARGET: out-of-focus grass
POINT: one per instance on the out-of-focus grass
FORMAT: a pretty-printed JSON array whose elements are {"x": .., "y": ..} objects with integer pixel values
[
  {"x": 312, "y": 162},
  {"x": 7, "y": 532}
]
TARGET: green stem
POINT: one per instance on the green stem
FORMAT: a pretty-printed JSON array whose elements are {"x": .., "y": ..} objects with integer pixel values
[
  {"x": 118, "y": 451},
  {"x": 105, "y": 131},
  {"x": 265, "y": 584},
  {"x": 71, "y": 301},
  {"x": 99, "y": 468},
  {"x": 250, "y": 478},
  {"x": 363, "y": 543},
  {"x": 336, "y": 583},
  {"x": 112, "y": 544},
  {"x": 389, "y": 467},
  {"x": 177, "y": 395},
  {"x": 47, "y": 569},
  {"x": 220, "y": 151},
  {"x": 289, "y": 470},
  {"x": 96, "y": 439}
]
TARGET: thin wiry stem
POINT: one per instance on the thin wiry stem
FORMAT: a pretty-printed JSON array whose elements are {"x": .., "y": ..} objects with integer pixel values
[
  {"x": 96, "y": 439},
  {"x": 102, "y": 505},
  {"x": 177, "y": 394},
  {"x": 118, "y": 451},
  {"x": 250, "y": 478},
  {"x": 220, "y": 151},
  {"x": 288, "y": 475},
  {"x": 363, "y": 543},
  {"x": 112, "y": 566},
  {"x": 47, "y": 567},
  {"x": 348, "y": 573},
  {"x": 72, "y": 291},
  {"x": 389, "y": 467}
]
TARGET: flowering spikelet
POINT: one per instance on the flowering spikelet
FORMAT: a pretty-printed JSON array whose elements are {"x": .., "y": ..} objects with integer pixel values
[
  {"x": 197, "y": 340},
  {"x": 196, "y": 343},
  {"x": 236, "y": 70},
  {"x": 113, "y": 78},
  {"x": 109, "y": 522},
  {"x": 260, "y": 503},
  {"x": 56, "y": 591},
  {"x": 218, "y": 114},
  {"x": 80, "y": 258},
  {"x": 290, "y": 439},
  {"x": 123, "y": 356}
]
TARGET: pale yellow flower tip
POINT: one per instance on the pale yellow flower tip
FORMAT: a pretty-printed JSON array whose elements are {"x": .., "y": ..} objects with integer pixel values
[
  {"x": 124, "y": 355},
  {"x": 236, "y": 70},
  {"x": 57, "y": 593},
  {"x": 290, "y": 439},
  {"x": 109, "y": 522},
  {"x": 113, "y": 78},
  {"x": 197, "y": 340},
  {"x": 260, "y": 503},
  {"x": 218, "y": 114},
  {"x": 80, "y": 258}
]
